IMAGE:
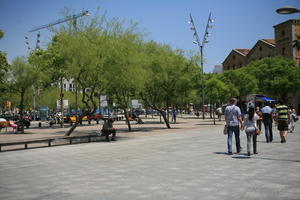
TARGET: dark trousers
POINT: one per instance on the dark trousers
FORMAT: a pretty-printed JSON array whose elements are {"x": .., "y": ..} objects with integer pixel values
[
  {"x": 108, "y": 132},
  {"x": 268, "y": 131}
]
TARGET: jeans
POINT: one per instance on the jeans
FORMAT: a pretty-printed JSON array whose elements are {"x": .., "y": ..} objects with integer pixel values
[
  {"x": 251, "y": 135},
  {"x": 236, "y": 131},
  {"x": 268, "y": 131}
]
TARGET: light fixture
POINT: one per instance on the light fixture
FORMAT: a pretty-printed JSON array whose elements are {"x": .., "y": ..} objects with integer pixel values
[
  {"x": 206, "y": 41},
  {"x": 193, "y": 28},
  {"x": 287, "y": 10},
  {"x": 212, "y": 20},
  {"x": 195, "y": 42}
]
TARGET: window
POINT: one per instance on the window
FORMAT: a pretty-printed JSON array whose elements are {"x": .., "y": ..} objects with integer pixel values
[
  {"x": 283, "y": 51},
  {"x": 282, "y": 33},
  {"x": 260, "y": 48},
  {"x": 233, "y": 57}
]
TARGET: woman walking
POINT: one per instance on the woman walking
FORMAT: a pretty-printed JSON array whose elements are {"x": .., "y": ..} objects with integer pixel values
[{"x": 250, "y": 125}]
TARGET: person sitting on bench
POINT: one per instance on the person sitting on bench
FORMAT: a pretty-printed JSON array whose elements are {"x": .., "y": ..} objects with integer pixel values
[{"x": 108, "y": 129}]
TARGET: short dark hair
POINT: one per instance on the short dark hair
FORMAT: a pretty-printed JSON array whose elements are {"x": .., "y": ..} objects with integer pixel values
[{"x": 232, "y": 100}]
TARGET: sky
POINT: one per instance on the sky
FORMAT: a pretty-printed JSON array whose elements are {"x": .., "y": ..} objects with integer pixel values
[{"x": 237, "y": 23}]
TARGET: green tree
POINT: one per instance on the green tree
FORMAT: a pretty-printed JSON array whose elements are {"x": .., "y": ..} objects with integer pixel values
[
  {"x": 276, "y": 76},
  {"x": 23, "y": 78},
  {"x": 168, "y": 77},
  {"x": 216, "y": 92},
  {"x": 243, "y": 82},
  {"x": 123, "y": 73},
  {"x": 1, "y": 34},
  {"x": 4, "y": 66}
]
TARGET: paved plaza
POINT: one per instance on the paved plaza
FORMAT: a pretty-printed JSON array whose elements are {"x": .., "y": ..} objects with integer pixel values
[{"x": 181, "y": 164}]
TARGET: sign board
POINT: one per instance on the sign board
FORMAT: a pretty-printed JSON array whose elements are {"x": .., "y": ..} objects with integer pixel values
[
  {"x": 66, "y": 103},
  {"x": 103, "y": 101},
  {"x": 135, "y": 103}
]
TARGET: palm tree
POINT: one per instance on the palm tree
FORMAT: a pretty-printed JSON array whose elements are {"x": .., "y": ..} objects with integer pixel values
[{"x": 296, "y": 43}]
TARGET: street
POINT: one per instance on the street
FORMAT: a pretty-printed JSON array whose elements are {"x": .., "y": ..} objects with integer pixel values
[{"x": 188, "y": 164}]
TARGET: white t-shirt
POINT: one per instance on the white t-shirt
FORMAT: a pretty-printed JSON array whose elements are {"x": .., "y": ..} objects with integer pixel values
[{"x": 250, "y": 126}]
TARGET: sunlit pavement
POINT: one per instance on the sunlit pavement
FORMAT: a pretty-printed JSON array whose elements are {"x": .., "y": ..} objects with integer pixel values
[{"x": 186, "y": 164}]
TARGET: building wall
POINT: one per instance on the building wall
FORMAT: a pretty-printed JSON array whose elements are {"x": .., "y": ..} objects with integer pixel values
[
  {"x": 261, "y": 50},
  {"x": 283, "y": 40},
  {"x": 234, "y": 61}
]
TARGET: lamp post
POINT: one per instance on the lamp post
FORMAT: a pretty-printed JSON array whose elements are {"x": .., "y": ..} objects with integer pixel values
[
  {"x": 201, "y": 46},
  {"x": 287, "y": 10}
]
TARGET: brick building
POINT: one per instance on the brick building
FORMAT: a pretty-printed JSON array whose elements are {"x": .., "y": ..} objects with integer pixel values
[{"x": 285, "y": 34}]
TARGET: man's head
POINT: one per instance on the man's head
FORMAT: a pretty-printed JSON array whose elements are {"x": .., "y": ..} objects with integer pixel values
[{"x": 233, "y": 101}]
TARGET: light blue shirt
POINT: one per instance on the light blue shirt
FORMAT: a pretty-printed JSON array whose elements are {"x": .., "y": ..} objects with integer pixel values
[
  {"x": 232, "y": 114},
  {"x": 266, "y": 109}
]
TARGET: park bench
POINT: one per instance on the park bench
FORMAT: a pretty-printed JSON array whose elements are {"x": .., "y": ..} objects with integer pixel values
[{"x": 71, "y": 138}]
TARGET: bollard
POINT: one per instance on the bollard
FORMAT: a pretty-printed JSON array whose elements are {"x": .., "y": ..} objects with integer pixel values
[
  {"x": 97, "y": 121},
  {"x": 40, "y": 124},
  {"x": 89, "y": 121}
]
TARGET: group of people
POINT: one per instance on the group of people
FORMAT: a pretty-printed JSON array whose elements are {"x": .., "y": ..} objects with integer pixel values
[{"x": 284, "y": 117}]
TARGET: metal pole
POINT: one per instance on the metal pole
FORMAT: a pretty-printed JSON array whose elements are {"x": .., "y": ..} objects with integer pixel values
[
  {"x": 61, "y": 102},
  {"x": 202, "y": 81}
]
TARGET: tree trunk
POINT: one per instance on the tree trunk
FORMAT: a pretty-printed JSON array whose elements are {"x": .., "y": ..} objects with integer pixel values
[
  {"x": 76, "y": 124},
  {"x": 214, "y": 116},
  {"x": 22, "y": 109},
  {"x": 127, "y": 120},
  {"x": 165, "y": 118}
]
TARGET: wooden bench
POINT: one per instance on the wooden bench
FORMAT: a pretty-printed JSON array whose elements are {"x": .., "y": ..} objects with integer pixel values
[
  {"x": 26, "y": 142},
  {"x": 71, "y": 138},
  {"x": 46, "y": 140}
]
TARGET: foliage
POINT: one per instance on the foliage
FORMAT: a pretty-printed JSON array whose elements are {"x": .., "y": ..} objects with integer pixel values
[
  {"x": 241, "y": 82},
  {"x": 216, "y": 90},
  {"x": 276, "y": 76},
  {"x": 23, "y": 77}
]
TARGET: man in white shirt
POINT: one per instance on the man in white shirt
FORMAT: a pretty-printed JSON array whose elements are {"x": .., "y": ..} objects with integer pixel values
[
  {"x": 267, "y": 120},
  {"x": 233, "y": 120}
]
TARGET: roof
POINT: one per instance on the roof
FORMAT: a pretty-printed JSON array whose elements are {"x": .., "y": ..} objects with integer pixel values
[
  {"x": 270, "y": 41},
  {"x": 293, "y": 21},
  {"x": 243, "y": 51}
]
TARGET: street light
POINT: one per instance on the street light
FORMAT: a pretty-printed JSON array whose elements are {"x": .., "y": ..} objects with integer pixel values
[
  {"x": 201, "y": 46},
  {"x": 287, "y": 10}
]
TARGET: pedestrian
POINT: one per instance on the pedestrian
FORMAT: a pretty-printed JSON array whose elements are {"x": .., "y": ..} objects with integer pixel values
[
  {"x": 250, "y": 126},
  {"x": 233, "y": 120},
  {"x": 260, "y": 117},
  {"x": 293, "y": 119},
  {"x": 219, "y": 112},
  {"x": 282, "y": 119},
  {"x": 108, "y": 129},
  {"x": 174, "y": 114},
  {"x": 267, "y": 121}
]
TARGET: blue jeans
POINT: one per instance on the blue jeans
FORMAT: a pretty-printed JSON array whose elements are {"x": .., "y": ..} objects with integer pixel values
[
  {"x": 268, "y": 131},
  {"x": 236, "y": 131}
]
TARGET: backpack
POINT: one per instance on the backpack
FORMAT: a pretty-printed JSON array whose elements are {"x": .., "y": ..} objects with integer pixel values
[{"x": 267, "y": 117}]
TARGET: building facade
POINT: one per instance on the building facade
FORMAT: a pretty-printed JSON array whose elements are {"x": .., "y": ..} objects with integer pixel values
[{"x": 282, "y": 45}]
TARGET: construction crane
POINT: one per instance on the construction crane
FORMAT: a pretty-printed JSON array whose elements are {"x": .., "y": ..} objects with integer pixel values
[
  {"x": 72, "y": 17},
  {"x": 69, "y": 18}
]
